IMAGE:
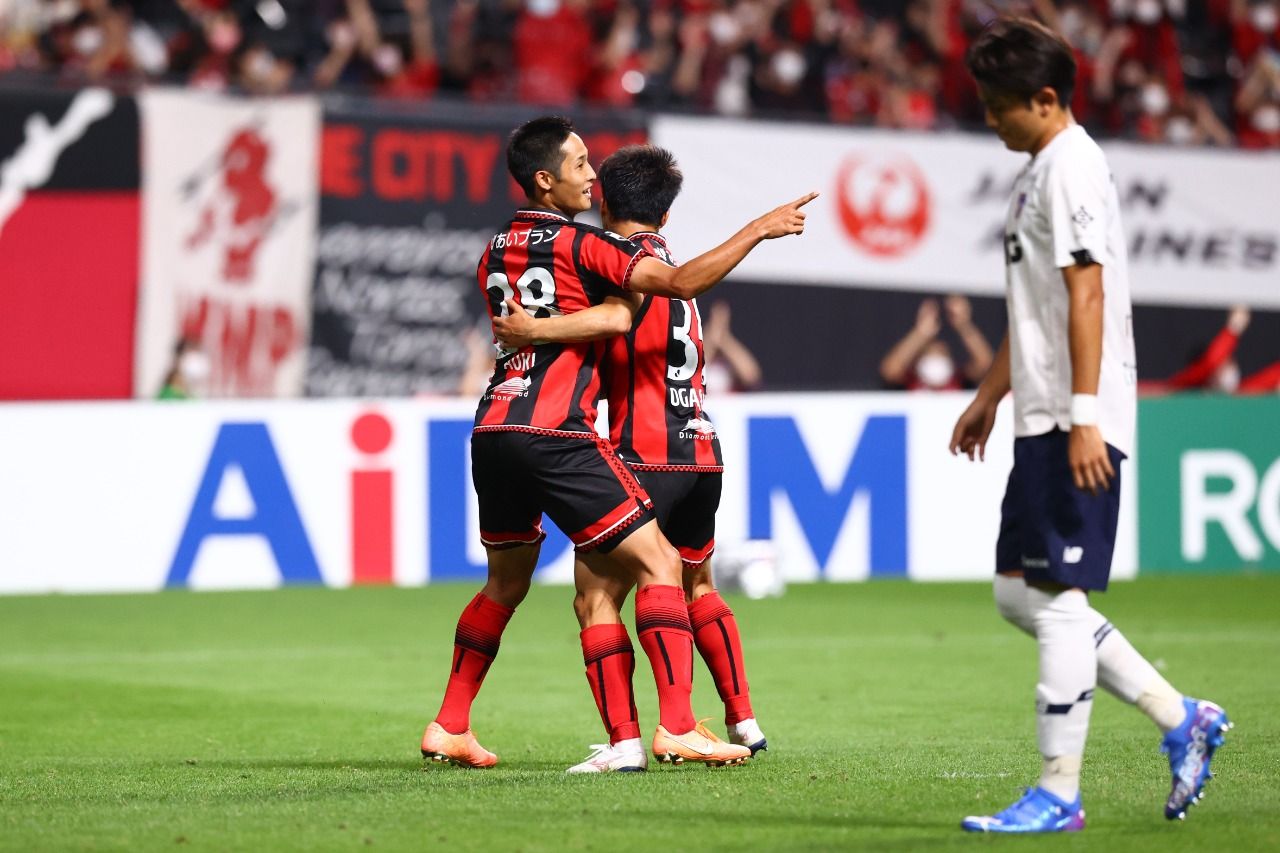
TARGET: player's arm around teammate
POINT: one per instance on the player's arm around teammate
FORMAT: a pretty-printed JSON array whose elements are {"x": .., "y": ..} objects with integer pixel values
[
  {"x": 652, "y": 276},
  {"x": 609, "y": 319}
]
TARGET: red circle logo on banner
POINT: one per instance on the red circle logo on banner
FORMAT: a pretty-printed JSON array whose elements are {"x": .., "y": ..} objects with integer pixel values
[{"x": 883, "y": 203}]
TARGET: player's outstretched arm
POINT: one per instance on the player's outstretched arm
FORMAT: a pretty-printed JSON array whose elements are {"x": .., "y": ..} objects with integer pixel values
[
  {"x": 611, "y": 317},
  {"x": 1086, "y": 450},
  {"x": 703, "y": 272},
  {"x": 974, "y": 426}
]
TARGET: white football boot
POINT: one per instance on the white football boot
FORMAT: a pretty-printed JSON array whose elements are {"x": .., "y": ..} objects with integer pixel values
[
  {"x": 625, "y": 756},
  {"x": 747, "y": 733}
]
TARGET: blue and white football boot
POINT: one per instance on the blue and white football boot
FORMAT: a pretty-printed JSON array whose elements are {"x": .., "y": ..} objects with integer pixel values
[
  {"x": 1037, "y": 811},
  {"x": 1190, "y": 748}
]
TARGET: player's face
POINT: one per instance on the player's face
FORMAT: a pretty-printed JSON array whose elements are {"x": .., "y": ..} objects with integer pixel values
[
  {"x": 1018, "y": 122},
  {"x": 571, "y": 190}
]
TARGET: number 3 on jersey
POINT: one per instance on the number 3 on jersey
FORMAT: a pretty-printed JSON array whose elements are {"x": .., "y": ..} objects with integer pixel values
[
  {"x": 537, "y": 289},
  {"x": 677, "y": 370}
]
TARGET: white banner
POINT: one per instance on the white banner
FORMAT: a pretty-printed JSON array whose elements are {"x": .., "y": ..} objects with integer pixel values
[
  {"x": 229, "y": 231},
  {"x": 254, "y": 494},
  {"x": 926, "y": 211}
]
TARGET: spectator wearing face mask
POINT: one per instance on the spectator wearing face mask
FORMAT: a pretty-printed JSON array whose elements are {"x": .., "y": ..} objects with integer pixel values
[
  {"x": 1192, "y": 121},
  {"x": 1255, "y": 27},
  {"x": 1187, "y": 119},
  {"x": 922, "y": 360},
  {"x": 1153, "y": 39},
  {"x": 1258, "y": 103},
  {"x": 553, "y": 51}
]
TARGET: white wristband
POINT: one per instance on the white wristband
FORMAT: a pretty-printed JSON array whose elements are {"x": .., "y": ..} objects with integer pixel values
[{"x": 1084, "y": 409}]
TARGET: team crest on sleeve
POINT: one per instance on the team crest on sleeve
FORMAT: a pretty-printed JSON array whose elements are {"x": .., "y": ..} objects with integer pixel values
[{"x": 1082, "y": 217}]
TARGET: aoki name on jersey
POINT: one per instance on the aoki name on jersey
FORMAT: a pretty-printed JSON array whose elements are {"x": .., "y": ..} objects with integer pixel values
[{"x": 521, "y": 361}]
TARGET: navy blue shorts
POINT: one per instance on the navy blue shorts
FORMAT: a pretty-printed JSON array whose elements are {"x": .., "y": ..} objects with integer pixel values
[
  {"x": 685, "y": 503},
  {"x": 1049, "y": 529}
]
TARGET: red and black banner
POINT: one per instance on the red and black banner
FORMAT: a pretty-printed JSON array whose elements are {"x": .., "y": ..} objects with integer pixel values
[
  {"x": 69, "y": 167},
  {"x": 408, "y": 202}
]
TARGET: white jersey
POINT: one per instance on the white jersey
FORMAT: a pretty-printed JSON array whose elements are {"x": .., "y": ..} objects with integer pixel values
[{"x": 1065, "y": 210}]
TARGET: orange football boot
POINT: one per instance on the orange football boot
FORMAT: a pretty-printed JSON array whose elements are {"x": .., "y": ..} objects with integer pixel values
[
  {"x": 463, "y": 750},
  {"x": 697, "y": 745}
]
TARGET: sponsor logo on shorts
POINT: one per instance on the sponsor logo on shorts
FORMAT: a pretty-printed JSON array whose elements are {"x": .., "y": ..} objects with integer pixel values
[
  {"x": 510, "y": 389},
  {"x": 699, "y": 429},
  {"x": 1072, "y": 554},
  {"x": 1035, "y": 562}
]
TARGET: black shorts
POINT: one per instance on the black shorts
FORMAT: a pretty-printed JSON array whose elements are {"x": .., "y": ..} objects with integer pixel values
[
  {"x": 1049, "y": 529},
  {"x": 685, "y": 503},
  {"x": 581, "y": 483}
]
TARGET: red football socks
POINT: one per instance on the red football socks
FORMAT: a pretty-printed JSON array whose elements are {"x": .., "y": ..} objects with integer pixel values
[
  {"x": 662, "y": 622},
  {"x": 475, "y": 645},
  {"x": 716, "y": 633},
  {"x": 611, "y": 662}
]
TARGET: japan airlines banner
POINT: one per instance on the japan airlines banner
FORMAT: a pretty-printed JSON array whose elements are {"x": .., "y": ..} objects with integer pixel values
[
  {"x": 926, "y": 211},
  {"x": 229, "y": 231}
]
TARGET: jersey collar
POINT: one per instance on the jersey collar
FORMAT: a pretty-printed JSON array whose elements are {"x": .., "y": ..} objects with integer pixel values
[
  {"x": 653, "y": 235},
  {"x": 540, "y": 213}
]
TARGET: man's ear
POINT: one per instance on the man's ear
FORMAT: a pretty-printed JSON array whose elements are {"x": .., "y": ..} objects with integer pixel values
[
  {"x": 604, "y": 207},
  {"x": 543, "y": 179},
  {"x": 1046, "y": 100},
  {"x": 665, "y": 217}
]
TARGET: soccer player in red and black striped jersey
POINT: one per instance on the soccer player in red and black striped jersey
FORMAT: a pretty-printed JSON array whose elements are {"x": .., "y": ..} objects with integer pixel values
[
  {"x": 535, "y": 449},
  {"x": 653, "y": 381}
]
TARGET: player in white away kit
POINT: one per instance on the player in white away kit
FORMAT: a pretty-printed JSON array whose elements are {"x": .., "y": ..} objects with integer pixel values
[{"x": 1068, "y": 358}]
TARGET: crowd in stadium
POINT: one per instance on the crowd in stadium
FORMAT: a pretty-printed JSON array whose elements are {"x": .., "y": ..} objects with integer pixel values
[{"x": 1169, "y": 71}]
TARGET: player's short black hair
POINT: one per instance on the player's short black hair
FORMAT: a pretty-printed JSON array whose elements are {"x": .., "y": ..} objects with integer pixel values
[
  {"x": 534, "y": 147},
  {"x": 640, "y": 182},
  {"x": 1017, "y": 57}
]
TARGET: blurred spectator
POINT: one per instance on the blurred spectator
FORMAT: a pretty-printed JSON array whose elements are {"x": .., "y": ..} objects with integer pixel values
[
  {"x": 392, "y": 58},
  {"x": 1167, "y": 71},
  {"x": 187, "y": 373},
  {"x": 552, "y": 45},
  {"x": 480, "y": 361},
  {"x": 1265, "y": 381},
  {"x": 1258, "y": 103},
  {"x": 922, "y": 360},
  {"x": 1214, "y": 367},
  {"x": 730, "y": 366}
]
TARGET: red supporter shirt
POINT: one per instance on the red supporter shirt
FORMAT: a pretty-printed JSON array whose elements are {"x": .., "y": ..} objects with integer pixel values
[
  {"x": 556, "y": 266},
  {"x": 654, "y": 384}
]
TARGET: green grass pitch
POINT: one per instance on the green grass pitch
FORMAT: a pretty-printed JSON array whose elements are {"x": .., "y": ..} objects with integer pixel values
[{"x": 290, "y": 720}]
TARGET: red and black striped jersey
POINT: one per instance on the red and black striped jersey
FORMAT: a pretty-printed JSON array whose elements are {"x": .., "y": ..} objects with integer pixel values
[
  {"x": 654, "y": 384},
  {"x": 553, "y": 266}
]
